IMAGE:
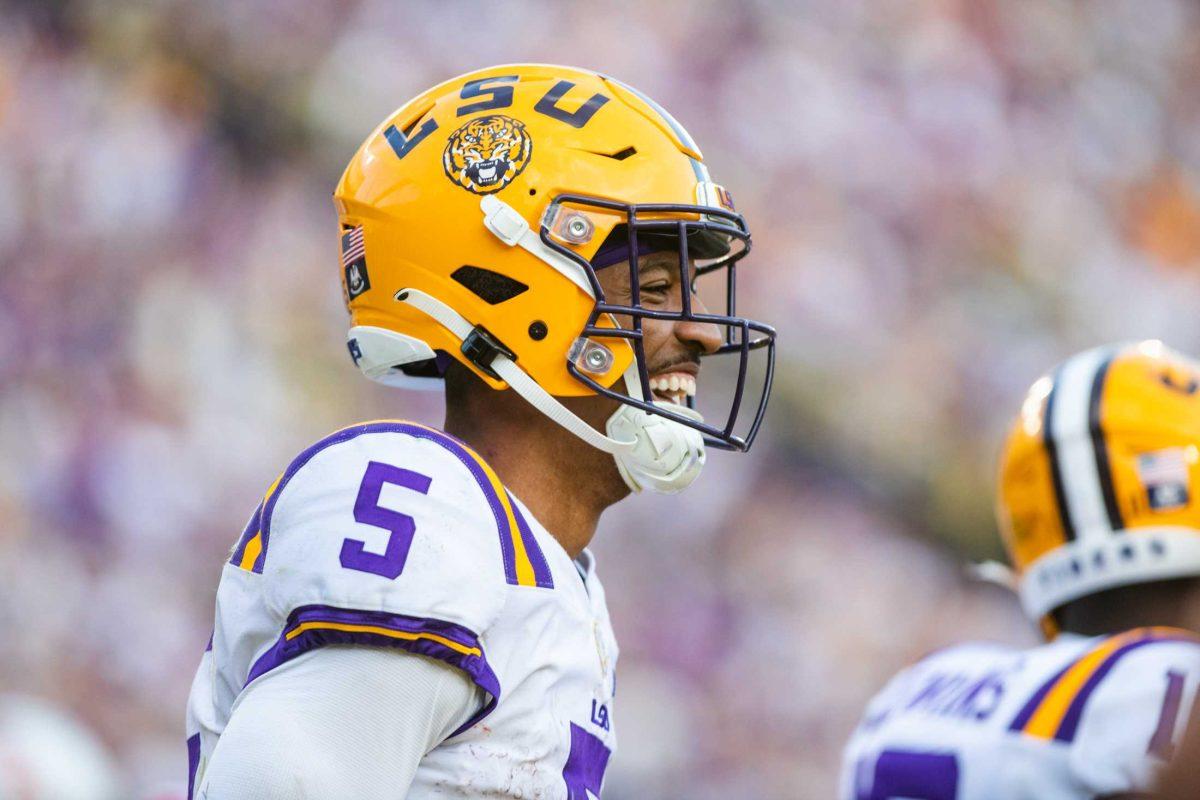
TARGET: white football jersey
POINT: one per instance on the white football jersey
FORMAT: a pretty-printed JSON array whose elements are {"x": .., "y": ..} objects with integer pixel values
[
  {"x": 391, "y": 534},
  {"x": 1076, "y": 718}
]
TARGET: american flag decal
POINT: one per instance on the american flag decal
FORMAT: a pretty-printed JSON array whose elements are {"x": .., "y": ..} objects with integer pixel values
[
  {"x": 354, "y": 263},
  {"x": 1164, "y": 475}
]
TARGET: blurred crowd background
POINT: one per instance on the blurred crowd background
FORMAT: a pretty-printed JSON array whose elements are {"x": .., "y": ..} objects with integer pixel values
[{"x": 947, "y": 197}]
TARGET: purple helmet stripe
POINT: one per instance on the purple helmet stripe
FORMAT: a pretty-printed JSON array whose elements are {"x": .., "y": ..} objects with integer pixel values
[
  {"x": 315, "y": 625},
  {"x": 541, "y": 568}
]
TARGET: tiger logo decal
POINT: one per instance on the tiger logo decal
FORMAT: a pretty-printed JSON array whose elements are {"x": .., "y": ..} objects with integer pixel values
[{"x": 485, "y": 155}]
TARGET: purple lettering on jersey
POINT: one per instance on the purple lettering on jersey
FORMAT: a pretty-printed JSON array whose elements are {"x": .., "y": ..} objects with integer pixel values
[
  {"x": 1162, "y": 744},
  {"x": 193, "y": 747},
  {"x": 600, "y": 715},
  {"x": 367, "y": 511},
  {"x": 447, "y": 442},
  {"x": 910, "y": 775},
  {"x": 417, "y": 432},
  {"x": 936, "y": 687},
  {"x": 959, "y": 695},
  {"x": 584, "y": 771}
]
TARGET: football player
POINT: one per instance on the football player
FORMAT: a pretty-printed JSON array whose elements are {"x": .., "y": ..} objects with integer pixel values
[
  {"x": 413, "y": 612},
  {"x": 1099, "y": 512}
]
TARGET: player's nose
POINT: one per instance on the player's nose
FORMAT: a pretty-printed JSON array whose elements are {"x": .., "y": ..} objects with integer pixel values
[{"x": 705, "y": 336}]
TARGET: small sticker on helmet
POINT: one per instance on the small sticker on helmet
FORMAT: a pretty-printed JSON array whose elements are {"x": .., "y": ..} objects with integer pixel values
[
  {"x": 714, "y": 196},
  {"x": 354, "y": 264},
  {"x": 1164, "y": 475}
]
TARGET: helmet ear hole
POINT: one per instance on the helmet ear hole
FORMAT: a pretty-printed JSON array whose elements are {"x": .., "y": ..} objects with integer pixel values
[{"x": 491, "y": 287}]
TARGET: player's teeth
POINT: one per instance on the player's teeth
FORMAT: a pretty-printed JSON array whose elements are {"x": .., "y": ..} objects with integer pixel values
[
  {"x": 689, "y": 386},
  {"x": 674, "y": 384}
]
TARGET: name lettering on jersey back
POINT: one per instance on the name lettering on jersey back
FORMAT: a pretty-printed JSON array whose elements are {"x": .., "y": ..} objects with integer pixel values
[{"x": 951, "y": 694}]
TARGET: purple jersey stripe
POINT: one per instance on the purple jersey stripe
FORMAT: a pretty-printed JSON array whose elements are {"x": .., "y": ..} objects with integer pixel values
[
  {"x": 476, "y": 666},
  {"x": 193, "y": 747},
  {"x": 1027, "y": 712},
  {"x": 416, "y": 431},
  {"x": 541, "y": 569},
  {"x": 507, "y": 553},
  {"x": 1070, "y": 723},
  {"x": 251, "y": 528}
]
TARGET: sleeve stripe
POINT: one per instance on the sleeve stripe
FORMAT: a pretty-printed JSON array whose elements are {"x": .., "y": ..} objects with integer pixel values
[
  {"x": 342, "y": 626},
  {"x": 313, "y": 626},
  {"x": 524, "y": 562},
  {"x": 1055, "y": 710}
]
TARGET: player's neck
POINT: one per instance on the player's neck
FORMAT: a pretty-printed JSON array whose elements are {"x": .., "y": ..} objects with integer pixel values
[
  {"x": 1164, "y": 604},
  {"x": 565, "y": 483}
]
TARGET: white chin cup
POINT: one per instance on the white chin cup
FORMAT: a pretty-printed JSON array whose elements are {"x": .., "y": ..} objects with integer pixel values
[{"x": 667, "y": 455}]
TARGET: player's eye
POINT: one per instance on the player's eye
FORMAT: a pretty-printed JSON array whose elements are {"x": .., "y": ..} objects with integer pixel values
[{"x": 654, "y": 290}]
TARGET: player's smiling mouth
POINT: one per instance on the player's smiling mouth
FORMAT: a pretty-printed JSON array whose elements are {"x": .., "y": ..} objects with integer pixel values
[{"x": 674, "y": 387}]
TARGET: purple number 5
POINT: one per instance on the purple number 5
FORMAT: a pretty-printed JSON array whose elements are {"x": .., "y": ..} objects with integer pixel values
[
  {"x": 368, "y": 511},
  {"x": 919, "y": 776}
]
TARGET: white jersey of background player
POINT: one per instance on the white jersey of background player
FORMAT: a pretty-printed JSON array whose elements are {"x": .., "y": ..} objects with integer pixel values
[
  {"x": 407, "y": 615},
  {"x": 1100, "y": 513}
]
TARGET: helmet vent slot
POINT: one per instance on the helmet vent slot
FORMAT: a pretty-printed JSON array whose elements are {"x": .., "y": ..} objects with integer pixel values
[
  {"x": 619, "y": 155},
  {"x": 492, "y": 287}
]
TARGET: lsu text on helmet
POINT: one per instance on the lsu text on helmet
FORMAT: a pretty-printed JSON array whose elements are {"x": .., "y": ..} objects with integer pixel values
[
  {"x": 1099, "y": 485},
  {"x": 474, "y": 221}
]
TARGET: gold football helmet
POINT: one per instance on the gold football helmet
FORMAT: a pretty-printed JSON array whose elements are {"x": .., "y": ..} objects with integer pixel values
[
  {"x": 1099, "y": 485},
  {"x": 474, "y": 220}
]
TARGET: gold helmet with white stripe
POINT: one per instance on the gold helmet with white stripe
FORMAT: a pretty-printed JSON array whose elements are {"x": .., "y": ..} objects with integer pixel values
[{"x": 1099, "y": 485}]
